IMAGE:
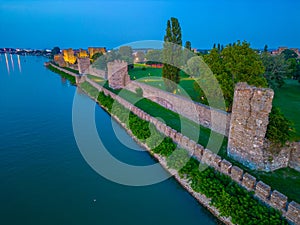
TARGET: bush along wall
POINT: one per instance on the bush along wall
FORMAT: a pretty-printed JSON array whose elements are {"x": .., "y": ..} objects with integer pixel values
[
  {"x": 62, "y": 74},
  {"x": 226, "y": 195}
]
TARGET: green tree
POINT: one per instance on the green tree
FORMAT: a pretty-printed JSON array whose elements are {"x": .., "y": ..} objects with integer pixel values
[
  {"x": 214, "y": 61},
  {"x": 187, "y": 53},
  {"x": 101, "y": 62},
  {"x": 140, "y": 56},
  {"x": 188, "y": 45},
  {"x": 292, "y": 67},
  {"x": 154, "y": 55},
  {"x": 237, "y": 62},
  {"x": 243, "y": 64},
  {"x": 280, "y": 129},
  {"x": 172, "y": 54},
  {"x": 289, "y": 54},
  {"x": 193, "y": 67},
  {"x": 276, "y": 69},
  {"x": 96, "y": 56},
  {"x": 126, "y": 55},
  {"x": 297, "y": 73},
  {"x": 55, "y": 51}
]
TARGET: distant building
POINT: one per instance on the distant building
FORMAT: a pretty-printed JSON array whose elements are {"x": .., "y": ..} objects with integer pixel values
[
  {"x": 69, "y": 56},
  {"x": 296, "y": 50},
  {"x": 92, "y": 50},
  {"x": 195, "y": 50},
  {"x": 59, "y": 60},
  {"x": 281, "y": 49},
  {"x": 82, "y": 53}
]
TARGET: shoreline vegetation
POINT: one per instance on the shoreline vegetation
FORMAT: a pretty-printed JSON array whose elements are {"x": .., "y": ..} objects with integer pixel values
[
  {"x": 222, "y": 196},
  {"x": 228, "y": 201},
  {"x": 62, "y": 74},
  {"x": 285, "y": 180}
]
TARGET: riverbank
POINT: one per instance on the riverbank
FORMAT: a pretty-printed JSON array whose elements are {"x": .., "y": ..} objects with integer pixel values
[
  {"x": 202, "y": 199},
  {"x": 223, "y": 186}
]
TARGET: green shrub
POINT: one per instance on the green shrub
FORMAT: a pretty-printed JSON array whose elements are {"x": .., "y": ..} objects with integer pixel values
[
  {"x": 139, "y": 92},
  {"x": 178, "y": 159},
  {"x": 280, "y": 129},
  {"x": 139, "y": 127}
]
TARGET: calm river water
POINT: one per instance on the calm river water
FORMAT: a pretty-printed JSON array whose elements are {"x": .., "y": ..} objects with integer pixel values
[{"x": 44, "y": 178}]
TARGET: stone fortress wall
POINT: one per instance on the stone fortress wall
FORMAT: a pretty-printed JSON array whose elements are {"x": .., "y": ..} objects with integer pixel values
[
  {"x": 245, "y": 127},
  {"x": 290, "y": 210},
  {"x": 214, "y": 119},
  {"x": 247, "y": 122}
]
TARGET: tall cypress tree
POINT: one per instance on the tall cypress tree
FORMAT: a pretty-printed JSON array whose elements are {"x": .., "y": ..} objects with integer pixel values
[
  {"x": 172, "y": 52},
  {"x": 188, "y": 45}
]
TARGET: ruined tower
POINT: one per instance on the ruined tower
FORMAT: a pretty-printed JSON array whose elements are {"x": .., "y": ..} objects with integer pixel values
[
  {"x": 248, "y": 126},
  {"x": 117, "y": 74},
  {"x": 83, "y": 64}
]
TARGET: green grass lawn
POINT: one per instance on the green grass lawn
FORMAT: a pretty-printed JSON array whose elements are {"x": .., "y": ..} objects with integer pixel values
[
  {"x": 153, "y": 77},
  {"x": 97, "y": 80},
  {"x": 287, "y": 99}
]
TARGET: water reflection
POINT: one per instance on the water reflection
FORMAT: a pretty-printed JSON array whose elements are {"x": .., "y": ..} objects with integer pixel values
[
  {"x": 7, "y": 65},
  {"x": 12, "y": 62},
  {"x": 19, "y": 64},
  {"x": 65, "y": 82},
  {"x": 11, "y": 58}
]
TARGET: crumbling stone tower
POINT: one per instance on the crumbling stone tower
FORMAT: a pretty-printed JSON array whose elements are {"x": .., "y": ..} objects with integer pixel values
[
  {"x": 117, "y": 74},
  {"x": 248, "y": 126},
  {"x": 83, "y": 64}
]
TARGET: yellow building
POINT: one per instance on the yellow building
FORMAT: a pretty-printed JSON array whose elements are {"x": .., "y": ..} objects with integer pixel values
[
  {"x": 93, "y": 51},
  {"x": 82, "y": 53},
  {"x": 69, "y": 55},
  {"x": 59, "y": 59}
]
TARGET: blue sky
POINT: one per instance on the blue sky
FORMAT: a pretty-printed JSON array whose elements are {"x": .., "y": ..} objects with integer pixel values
[{"x": 76, "y": 23}]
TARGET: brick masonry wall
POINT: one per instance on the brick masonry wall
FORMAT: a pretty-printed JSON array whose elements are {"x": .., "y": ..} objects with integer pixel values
[
  {"x": 96, "y": 72},
  {"x": 294, "y": 161},
  {"x": 216, "y": 120}
]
